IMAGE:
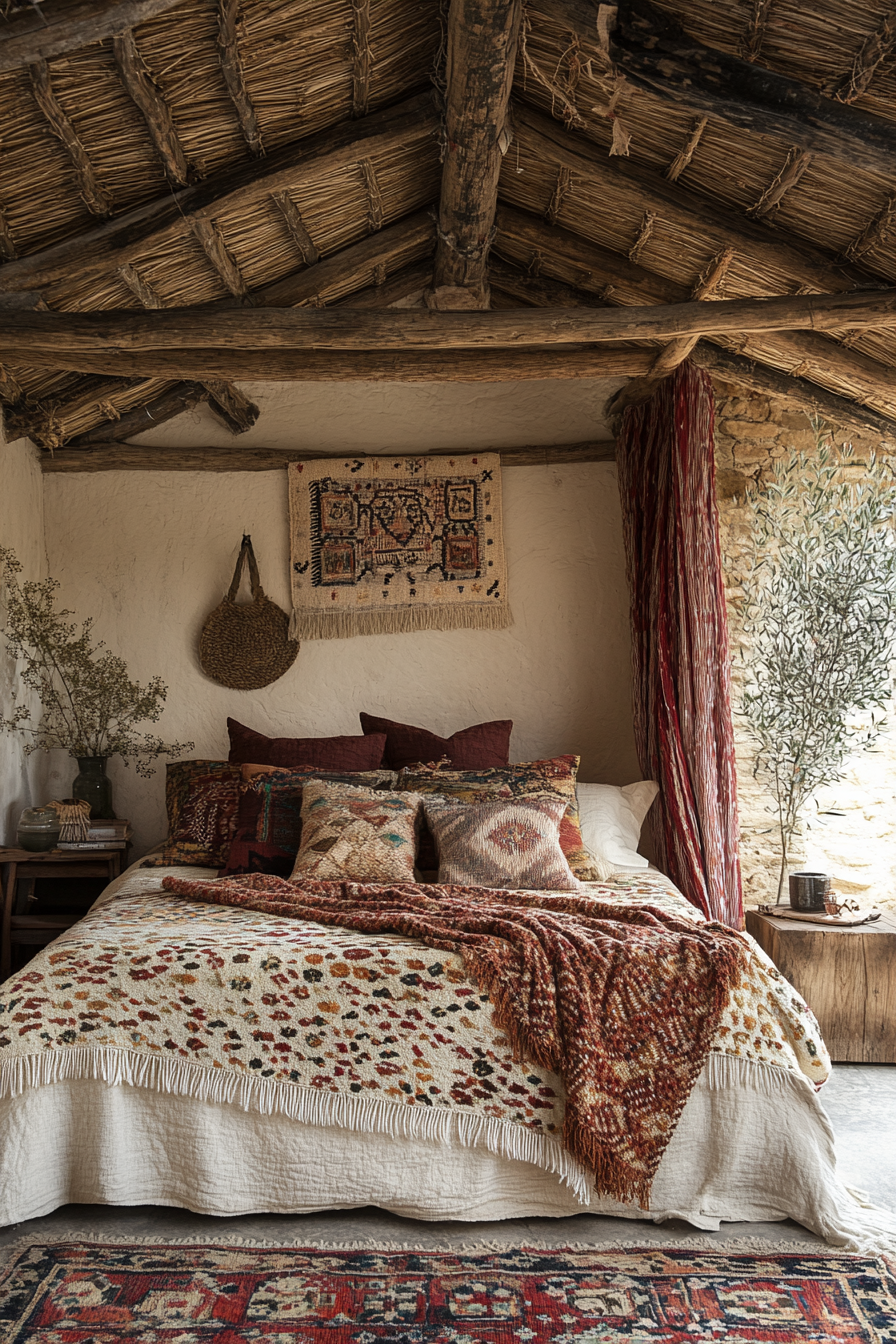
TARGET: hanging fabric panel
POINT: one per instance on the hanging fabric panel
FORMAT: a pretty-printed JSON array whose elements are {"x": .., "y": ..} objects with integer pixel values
[{"x": 680, "y": 650}]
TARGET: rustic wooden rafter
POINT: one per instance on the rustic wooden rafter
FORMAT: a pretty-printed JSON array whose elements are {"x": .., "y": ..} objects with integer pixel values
[
  {"x": 410, "y": 366},
  {"x": 43, "y": 32},
  {"x": 125, "y": 457},
  {"x": 114, "y": 332},
  {"x": 149, "y": 99},
  {"x": 95, "y": 196},
  {"x": 138, "y": 231},
  {"x": 234, "y": 75},
  {"x": 482, "y": 42},
  {"x": 232, "y": 405},
  {"x": 177, "y": 398},
  {"x": 654, "y": 53},
  {"x": 676, "y": 204},
  {"x": 362, "y": 57}
]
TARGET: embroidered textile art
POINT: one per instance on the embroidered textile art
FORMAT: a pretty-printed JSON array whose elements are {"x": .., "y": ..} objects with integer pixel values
[
  {"x": 80, "y": 1293},
  {"x": 359, "y": 834},
  {"x": 387, "y": 544},
  {"x": 372, "y": 1032},
  {"x": 557, "y": 776},
  {"x": 511, "y": 843},
  {"x": 622, "y": 1003},
  {"x": 202, "y": 799}
]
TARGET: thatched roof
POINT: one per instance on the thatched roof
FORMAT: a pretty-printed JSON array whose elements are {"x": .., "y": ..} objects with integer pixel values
[{"x": 262, "y": 154}]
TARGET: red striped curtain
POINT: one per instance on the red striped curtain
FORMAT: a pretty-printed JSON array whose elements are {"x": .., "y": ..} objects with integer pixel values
[{"x": 680, "y": 653}]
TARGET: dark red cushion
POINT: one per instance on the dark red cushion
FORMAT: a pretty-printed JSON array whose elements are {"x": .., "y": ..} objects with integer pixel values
[
  {"x": 482, "y": 747},
  {"x": 326, "y": 753}
]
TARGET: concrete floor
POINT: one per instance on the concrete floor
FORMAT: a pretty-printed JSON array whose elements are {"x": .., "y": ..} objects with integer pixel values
[{"x": 860, "y": 1100}]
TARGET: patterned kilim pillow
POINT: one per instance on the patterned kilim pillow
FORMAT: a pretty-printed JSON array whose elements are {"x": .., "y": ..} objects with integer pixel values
[
  {"x": 359, "y": 835},
  {"x": 202, "y": 798},
  {"x": 556, "y": 776},
  {"x": 511, "y": 843},
  {"x": 269, "y": 822}
]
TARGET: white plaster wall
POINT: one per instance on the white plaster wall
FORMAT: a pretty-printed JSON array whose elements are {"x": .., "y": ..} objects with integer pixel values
[
  {"x": 22, "y": 530},
  {"x": 148, "y": 554}
]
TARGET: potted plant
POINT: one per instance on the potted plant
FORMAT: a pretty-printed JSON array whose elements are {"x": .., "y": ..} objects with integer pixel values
[
  {"x": 89, "y": 706},
  {"x": 818, "y": 605}
]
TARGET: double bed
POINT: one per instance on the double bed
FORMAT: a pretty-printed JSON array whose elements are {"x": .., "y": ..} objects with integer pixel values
[{"x": 173, "y": 1052}]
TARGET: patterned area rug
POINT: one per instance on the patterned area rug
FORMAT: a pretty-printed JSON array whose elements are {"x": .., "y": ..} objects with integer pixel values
[{"x": 96, "y": 1293}]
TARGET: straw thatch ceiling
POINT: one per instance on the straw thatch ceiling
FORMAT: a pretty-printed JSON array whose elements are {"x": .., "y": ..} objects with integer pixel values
[{"x": 442, "y": 161}]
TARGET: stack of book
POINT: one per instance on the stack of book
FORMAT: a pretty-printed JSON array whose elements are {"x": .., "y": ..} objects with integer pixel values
[{"x": 113, "y": 833}]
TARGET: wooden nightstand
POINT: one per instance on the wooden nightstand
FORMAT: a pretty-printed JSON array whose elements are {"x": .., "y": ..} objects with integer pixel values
[
  {"x": 38, "y": 930},
  {"x": 847, "y": 977}
]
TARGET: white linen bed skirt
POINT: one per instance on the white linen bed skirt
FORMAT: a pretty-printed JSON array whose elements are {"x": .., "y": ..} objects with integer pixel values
[{"x": 737, "y": 1155}]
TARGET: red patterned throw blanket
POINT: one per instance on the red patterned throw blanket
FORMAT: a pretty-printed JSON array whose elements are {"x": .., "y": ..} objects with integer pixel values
[{"x": 622, "y": 1003}]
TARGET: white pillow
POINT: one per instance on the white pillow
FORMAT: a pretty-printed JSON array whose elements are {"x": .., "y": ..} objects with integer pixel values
[{"x": 611, "y": 821}]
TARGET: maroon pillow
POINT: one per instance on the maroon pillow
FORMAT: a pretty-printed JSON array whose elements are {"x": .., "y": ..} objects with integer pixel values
[
  {"x": 482, "y": 747},
  {"x": 326, "y": 753}
]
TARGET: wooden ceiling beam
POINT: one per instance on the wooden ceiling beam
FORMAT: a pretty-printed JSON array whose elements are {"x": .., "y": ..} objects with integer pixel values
[
  {"x": 759, "y": 377},
  {"x": 234, "y": 76},
  {"x": 408, "y": 366},
  {"x": 148, "y": 98},
  {"x": 135, "y": 232},
  {"x": 653, "y": 52},
  {"x": 137, "y": 457},
  {"x": 112, "y": 333},
  {"x": 67, "y": 25},
  {"x": 94, "y": 195},
  {"x": 772, "y": 249},
  {"x": 482, "y": 42}
]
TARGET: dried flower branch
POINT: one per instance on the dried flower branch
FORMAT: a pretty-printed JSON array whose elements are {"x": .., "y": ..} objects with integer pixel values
[
  {"x": 90, "y": 705},
  {"x": 819, "y": 606}
]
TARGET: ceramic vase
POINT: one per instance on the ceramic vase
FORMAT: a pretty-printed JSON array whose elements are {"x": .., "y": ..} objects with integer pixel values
[{"x": 93, "y": 786}]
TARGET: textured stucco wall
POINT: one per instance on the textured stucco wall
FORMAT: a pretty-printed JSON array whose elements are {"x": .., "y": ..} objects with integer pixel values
[
  {"x": 22, "y": 530},
  {"x": 148, "y": 554},
  {"x": 850, "y": 827}
]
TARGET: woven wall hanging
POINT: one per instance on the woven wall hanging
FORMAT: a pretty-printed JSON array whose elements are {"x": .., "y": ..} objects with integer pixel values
[{"x": 246, "y": 645}]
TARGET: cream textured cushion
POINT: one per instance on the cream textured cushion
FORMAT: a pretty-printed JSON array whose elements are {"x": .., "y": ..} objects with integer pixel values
[
  {"x": 611, "y": 819},
  {"x": 357, "y": 835},
  {"x": 511, "y": 843}
]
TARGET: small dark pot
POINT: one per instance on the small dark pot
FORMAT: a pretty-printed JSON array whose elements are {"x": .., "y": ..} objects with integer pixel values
[
  {"x": 808, "y": 891},
  {"x": 92, "y": 785}
]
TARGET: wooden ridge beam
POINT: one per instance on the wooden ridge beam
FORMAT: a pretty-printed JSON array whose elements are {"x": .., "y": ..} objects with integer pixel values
[
  {"x": 676, "y": 204},
  {"x": 67, "y": 25},
  {"x": 406, "y": 366},
  {"x": 150, "y": 102},
  {"x": 139, "y": 457},
  {"x": 654, "y": 53},
  {"x": 120, "y": 331},
  {"x": 94, "y": 195},
  {"x": 124, "y": 239},
  {"x": 752, "y": 373},
  {"x": 234, "y": 76},
  {"x": 482, "y": 42}
]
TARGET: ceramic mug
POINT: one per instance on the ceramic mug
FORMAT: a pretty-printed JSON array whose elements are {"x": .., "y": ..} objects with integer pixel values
[{"x": 809, "y": 891}]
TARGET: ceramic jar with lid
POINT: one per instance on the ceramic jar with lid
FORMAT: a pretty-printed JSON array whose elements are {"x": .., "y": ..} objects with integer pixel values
[{"x": 39, "y": 829}]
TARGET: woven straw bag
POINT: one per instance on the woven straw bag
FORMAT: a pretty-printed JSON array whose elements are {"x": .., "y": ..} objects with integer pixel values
[{"x": 246, "y": 645}]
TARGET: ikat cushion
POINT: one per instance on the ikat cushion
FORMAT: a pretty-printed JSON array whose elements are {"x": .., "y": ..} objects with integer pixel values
[
  {"x": 556, "y": 776},
  {"x": 328, "y": 753},
  {"x": 269, "y": 821},
  {"x": 478, "y": 748},
  {"x": 358, "y": 835},
  {"x": 511, "y": 843},
  {"x": 202, "y": 798}
]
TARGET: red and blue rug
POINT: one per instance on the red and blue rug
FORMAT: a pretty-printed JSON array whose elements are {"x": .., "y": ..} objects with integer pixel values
[{"x": 96, "y": 1293}]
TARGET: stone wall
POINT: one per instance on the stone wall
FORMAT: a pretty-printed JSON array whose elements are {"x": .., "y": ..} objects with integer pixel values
[{"x": 850, "y": 828}]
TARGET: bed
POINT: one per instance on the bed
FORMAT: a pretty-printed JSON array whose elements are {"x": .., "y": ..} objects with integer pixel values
[{"x": 170, "y": 1052}]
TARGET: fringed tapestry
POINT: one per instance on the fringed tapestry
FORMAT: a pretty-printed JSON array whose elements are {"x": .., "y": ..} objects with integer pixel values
[
  {"x": 680, "y": 653},
  {"x": 380, "y": 545}
]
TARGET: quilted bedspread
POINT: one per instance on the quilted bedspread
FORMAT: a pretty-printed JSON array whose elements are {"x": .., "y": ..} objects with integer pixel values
[{"x": 372, "y": 1032}]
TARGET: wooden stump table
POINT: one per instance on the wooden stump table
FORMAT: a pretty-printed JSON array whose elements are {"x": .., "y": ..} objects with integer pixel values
[{"x": 847, "y": 977}]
